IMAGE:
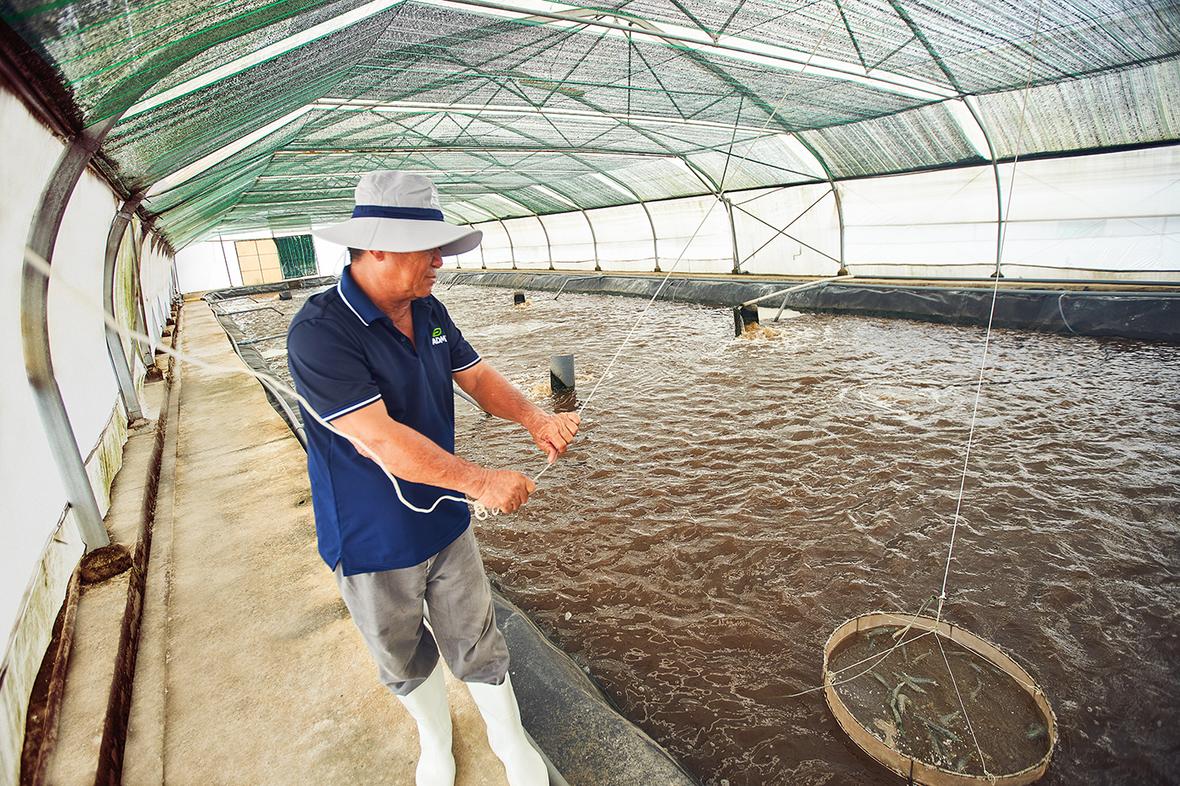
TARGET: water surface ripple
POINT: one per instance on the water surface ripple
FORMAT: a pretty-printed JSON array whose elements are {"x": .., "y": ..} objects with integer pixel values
[{"x": 732, "y": 501}]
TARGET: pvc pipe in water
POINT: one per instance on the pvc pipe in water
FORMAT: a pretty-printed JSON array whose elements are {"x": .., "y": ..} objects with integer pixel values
[
  {"x": 561, "y": 374},
  {"x": 743, "y": 317}
]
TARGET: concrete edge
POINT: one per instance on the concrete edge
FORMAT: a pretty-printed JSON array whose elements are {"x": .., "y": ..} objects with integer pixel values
[{"x": 118, "y": 712}]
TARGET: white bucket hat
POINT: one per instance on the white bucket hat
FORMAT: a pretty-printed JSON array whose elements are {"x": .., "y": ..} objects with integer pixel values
[{"x": 399, "y": 211}]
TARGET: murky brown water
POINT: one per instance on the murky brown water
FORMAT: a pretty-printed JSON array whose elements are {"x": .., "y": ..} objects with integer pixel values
[{"x": 732, "y": 501}]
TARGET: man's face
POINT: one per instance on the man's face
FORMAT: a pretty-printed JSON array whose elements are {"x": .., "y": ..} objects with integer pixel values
[{"x": 413, "y": 272}]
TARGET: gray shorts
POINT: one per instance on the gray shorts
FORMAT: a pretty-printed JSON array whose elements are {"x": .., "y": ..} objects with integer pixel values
[{"x": 387, "y": 607}]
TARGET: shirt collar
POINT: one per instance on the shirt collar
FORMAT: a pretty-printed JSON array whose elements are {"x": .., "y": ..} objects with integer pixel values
[{"x": 355, "y": 298}]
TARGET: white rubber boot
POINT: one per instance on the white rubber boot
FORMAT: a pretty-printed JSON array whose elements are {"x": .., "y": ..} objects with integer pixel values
[
  {"x": 428, "y": 705},
  {"x": 497, "y": 705}
]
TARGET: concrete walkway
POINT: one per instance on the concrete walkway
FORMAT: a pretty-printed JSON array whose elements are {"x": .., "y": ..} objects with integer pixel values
[{"x": 249, "y": 669}]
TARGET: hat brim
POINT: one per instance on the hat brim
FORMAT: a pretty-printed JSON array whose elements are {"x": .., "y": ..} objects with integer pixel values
[{"x": 402, "y": 235}]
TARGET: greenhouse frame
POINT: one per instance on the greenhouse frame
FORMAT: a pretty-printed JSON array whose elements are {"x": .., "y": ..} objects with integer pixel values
[{"x": 898, "y": 140}]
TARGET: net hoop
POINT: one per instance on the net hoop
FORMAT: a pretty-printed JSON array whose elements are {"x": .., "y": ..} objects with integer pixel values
[{"x": 916, "y": 770}]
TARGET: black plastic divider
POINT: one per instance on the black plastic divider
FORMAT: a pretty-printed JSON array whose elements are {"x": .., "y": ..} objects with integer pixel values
[{"x": 1151, "y": 314}]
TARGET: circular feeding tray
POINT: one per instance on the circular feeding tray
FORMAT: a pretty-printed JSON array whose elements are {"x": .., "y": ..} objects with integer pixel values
[{"x": 898, "y": 686}]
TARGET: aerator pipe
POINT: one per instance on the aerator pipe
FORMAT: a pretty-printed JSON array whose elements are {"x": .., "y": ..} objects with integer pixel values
[
  {"x": 797, "y": 288},
  {"x": 575, "y": 278}
]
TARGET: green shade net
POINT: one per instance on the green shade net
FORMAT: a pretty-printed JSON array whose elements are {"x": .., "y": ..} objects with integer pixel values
[
  {"x": 296, "y": 256},
  {"x": 262, "y": 114}
]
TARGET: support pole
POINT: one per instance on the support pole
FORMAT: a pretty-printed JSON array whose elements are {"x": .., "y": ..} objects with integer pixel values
[
  {"x": 144, "y": 349},
  {"x": 593, "y": 241},
  {"x": 35, "y": 332},
  {"x": 548, "y": 245},
  {"x": 511, "y": 245},
  {"x": 118, "y": 357},
  {"x": 229, "y": 278},
  {"x": 655, "y": 242},
  {"x": 843, "y": 269},
  {"x": 737, "y": 264}
]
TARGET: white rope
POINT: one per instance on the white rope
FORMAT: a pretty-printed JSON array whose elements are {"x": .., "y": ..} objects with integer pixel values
[
  {"x": 43, "y": 267},
  {"x": 991, "y": 314},
  {"x": 963, "y": 707},
  {"x": 638, "y": 320}
]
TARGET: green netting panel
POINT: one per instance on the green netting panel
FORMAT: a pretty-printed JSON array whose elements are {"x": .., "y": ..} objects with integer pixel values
[
  {"x": 1139, "y": 105},
  {"x": 477, "y": 60},
  {"x": 658, "y": 178},
  {"x": 109, "y": 53},
  {"x": 191, "y": 219},
  {"x": 253, "y": 158},
  {"x": 500, "y": 127},
  {"x": 870, "y": 34},
  {"x": 296, "y": 256},
  {"x": 549, "y": 114},
  {"x": 220, "y": 54},
  {"x": 151, "y": 146},
  {"x": 916, "y": 139},
  {"x": 997, "y": 44},
  {"x": 759, "y": 161},
  {"x": 539, "y": 201}
]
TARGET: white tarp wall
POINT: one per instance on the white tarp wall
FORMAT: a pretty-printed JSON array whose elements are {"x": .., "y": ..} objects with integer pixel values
[
  {"x": 40, "y": 543},
  {"x": 1101, "y": 216},
  {"x": 788, "y": 231}
]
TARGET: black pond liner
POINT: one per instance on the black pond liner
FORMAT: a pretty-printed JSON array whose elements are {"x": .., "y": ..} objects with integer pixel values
[{"x": 1150, "y": 312}]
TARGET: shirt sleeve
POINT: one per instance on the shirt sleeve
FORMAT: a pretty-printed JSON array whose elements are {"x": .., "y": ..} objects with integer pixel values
[
  {"x": 329, "y": 369},
  {"x": 463, "y": 355}
]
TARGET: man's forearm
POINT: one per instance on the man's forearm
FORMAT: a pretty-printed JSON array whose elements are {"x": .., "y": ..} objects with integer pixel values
[
  {"x": 412, "y": 456},
  {"x": 501, "y": 398}
]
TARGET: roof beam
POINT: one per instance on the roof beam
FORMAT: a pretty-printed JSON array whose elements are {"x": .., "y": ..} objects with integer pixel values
[
  {"x": 512, "y": 110},
  {"x": 221, "y": 154}
]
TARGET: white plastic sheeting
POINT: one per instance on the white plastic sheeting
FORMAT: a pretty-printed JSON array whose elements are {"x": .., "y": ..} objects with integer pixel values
[
  {"x": 676, "y": 220},
  {"x": 791, "y": 231},
  {"x": 210, "y": 265},
  {"x": 933, "y": 223},
  {"x": 33, "y": 498},
  {"x": 38, "y": 554},
  {"x": 530, "y": 246},
  {"x": 1101, "y": 216},
  {"x": 573, "y": 245}
]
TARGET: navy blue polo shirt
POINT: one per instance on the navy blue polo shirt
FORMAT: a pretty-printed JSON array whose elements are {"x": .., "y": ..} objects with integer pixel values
[{"x": 344, "y": 353}]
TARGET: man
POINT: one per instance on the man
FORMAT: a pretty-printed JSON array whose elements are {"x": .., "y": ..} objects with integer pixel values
[{"x": 376, "y": 356}]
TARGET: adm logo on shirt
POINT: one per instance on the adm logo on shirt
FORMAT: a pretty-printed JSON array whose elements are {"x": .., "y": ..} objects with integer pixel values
[{"x": 437, "y": 337}]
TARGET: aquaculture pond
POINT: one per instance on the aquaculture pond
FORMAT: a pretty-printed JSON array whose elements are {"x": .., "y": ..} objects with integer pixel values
[{"x": 731, "y": 501}]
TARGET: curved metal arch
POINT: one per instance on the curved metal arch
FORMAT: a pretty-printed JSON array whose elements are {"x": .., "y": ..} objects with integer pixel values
[
  {"x": 511, "y": 245},
  {"x": 35, "y": 332},
  {"x": 772, "y": 113},
  {"x": 122, "y": 368},
  {"x": 548, "y": 244}
]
